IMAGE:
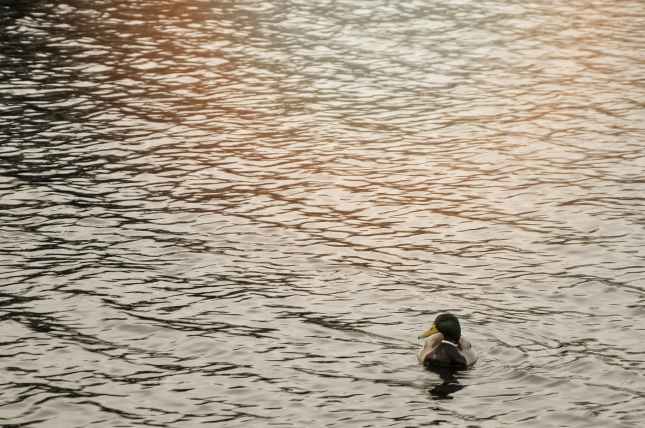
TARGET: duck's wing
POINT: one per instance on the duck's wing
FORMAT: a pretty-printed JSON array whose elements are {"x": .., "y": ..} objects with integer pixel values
[
  {"x": 429, "y": 345},
  {"x": 467, "y": 351}
]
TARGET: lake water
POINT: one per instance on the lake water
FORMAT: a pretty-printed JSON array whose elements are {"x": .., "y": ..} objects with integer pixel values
[{"x": 242, "y": 213}]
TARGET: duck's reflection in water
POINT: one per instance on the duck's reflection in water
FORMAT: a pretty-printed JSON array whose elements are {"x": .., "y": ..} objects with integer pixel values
[{"x": 449, "y": 383}]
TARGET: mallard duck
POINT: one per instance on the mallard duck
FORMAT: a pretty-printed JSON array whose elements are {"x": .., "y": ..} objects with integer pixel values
[{"x": 445, "y": 346}]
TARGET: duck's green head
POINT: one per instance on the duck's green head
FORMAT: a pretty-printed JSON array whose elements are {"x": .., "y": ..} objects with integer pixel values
[{"x": 446, "y": 324}]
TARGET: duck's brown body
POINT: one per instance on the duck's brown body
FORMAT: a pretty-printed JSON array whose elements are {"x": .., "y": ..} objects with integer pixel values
[{"x": 438, "y": 352}]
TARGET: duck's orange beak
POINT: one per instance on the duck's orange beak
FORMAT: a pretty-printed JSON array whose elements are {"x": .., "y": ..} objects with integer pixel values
[{"x": 430, "y": 332}]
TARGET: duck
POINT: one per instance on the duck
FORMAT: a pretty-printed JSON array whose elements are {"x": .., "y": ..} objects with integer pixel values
[{"x": 444, "y": 346}]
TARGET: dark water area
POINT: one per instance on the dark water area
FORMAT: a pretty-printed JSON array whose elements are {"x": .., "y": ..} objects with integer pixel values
[{"x": 243, "y": 213}]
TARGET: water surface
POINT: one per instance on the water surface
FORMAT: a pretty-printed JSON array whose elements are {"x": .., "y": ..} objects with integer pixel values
[{"x": 242, "y": 213}]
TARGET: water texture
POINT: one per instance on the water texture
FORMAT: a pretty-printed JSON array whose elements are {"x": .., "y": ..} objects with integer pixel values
[{"x": 242, "y": 213}]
